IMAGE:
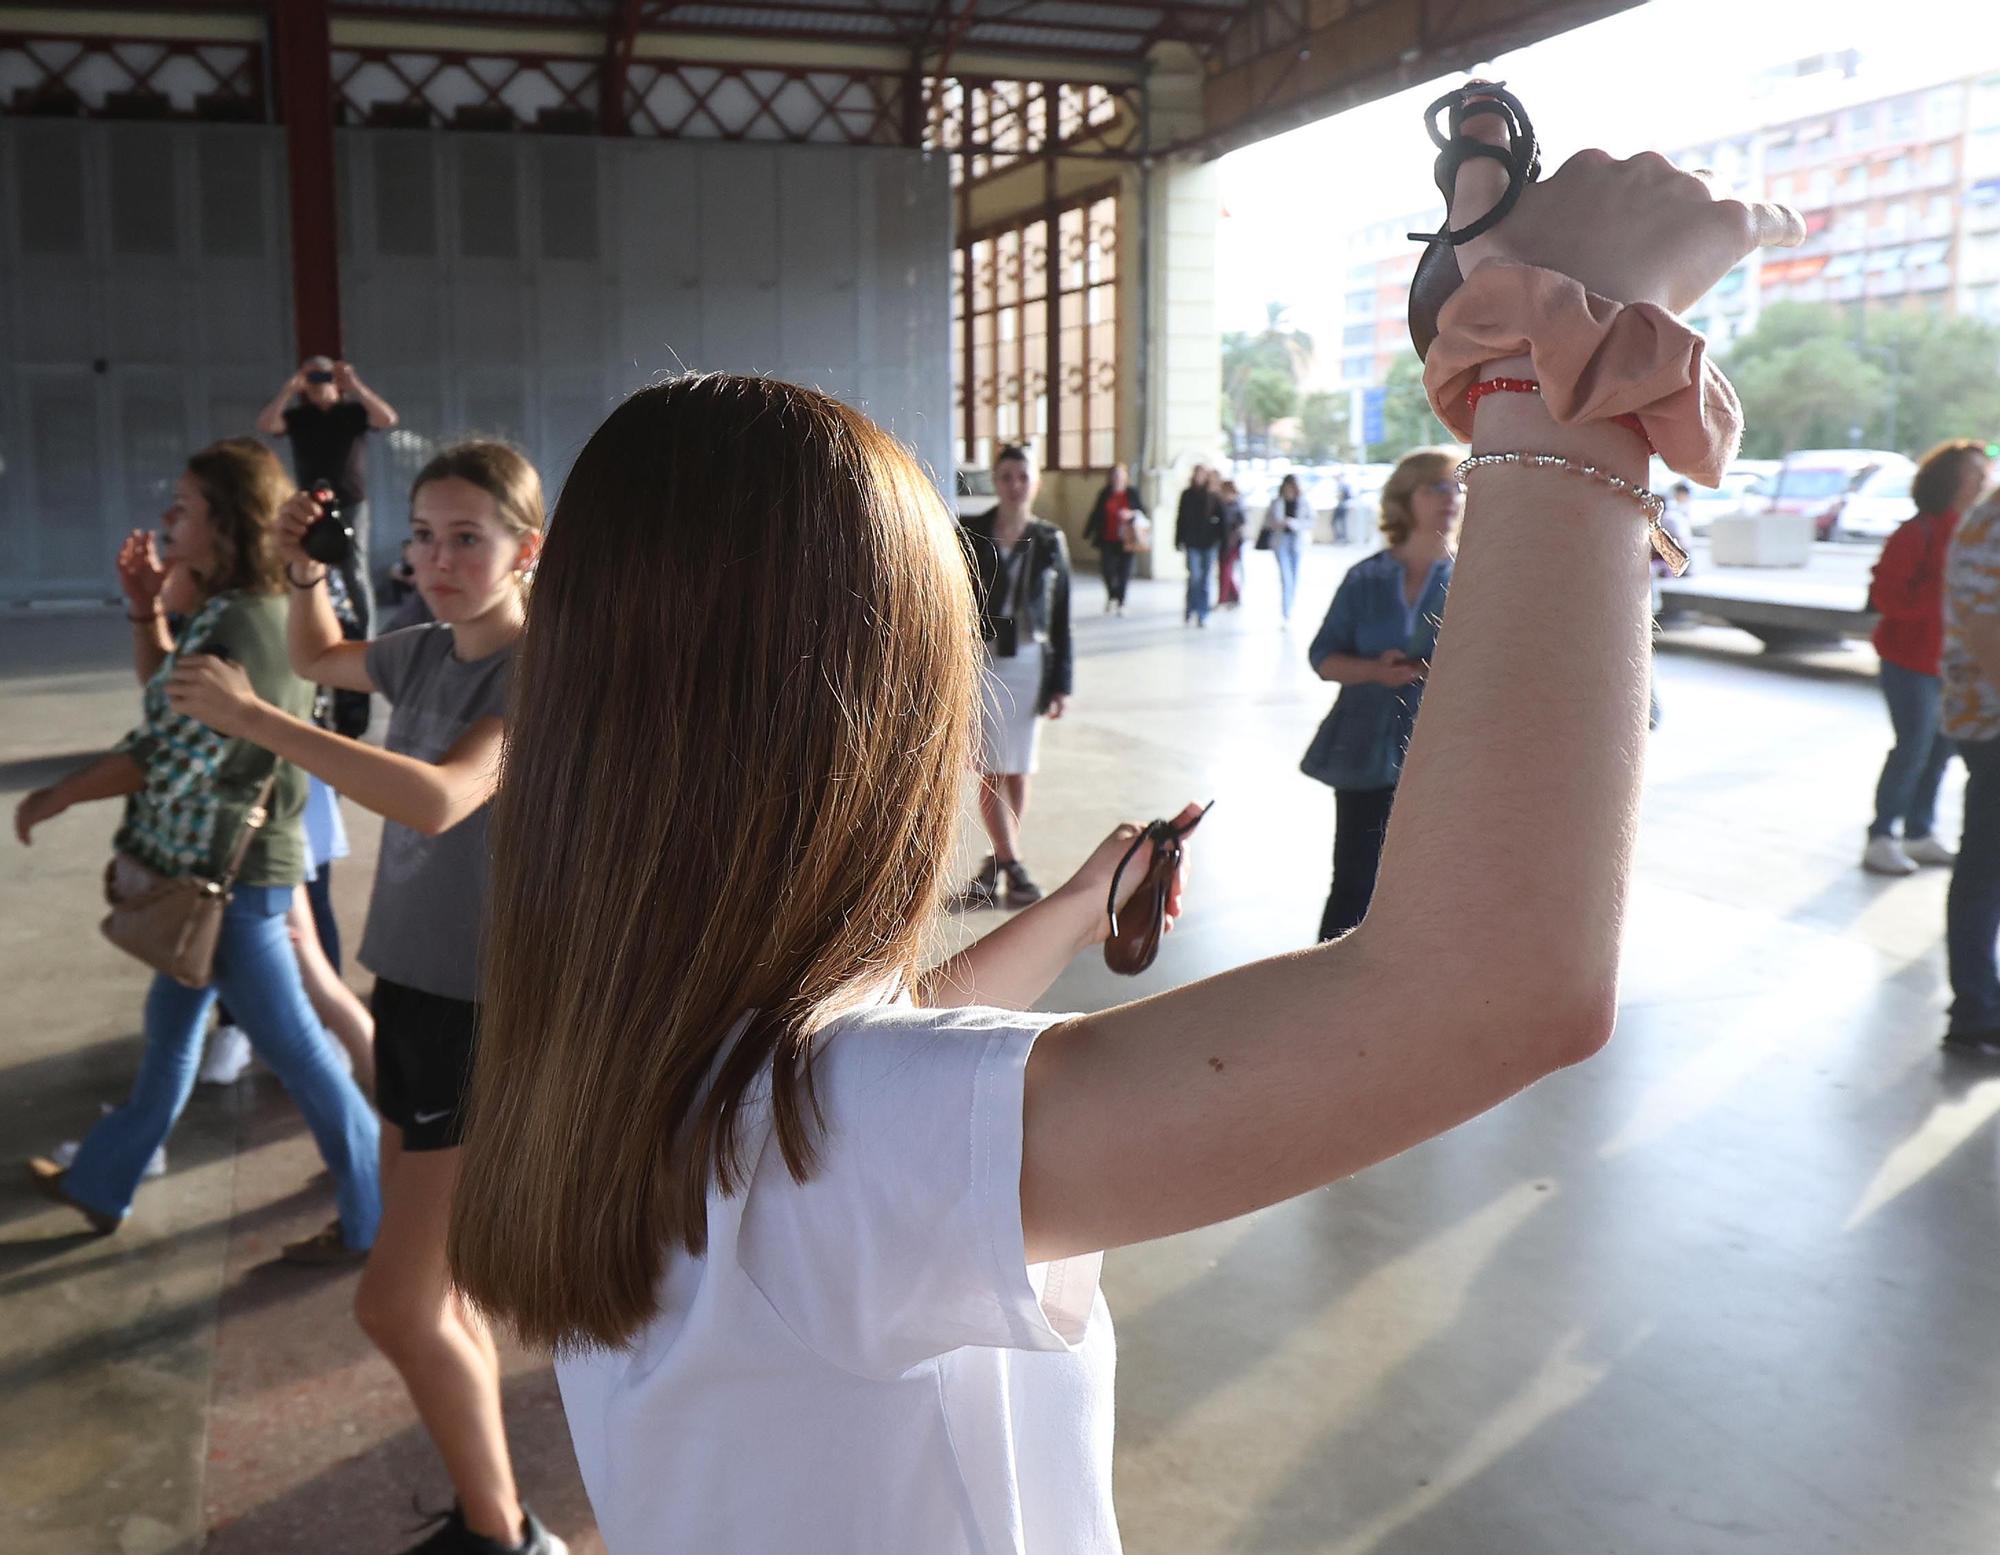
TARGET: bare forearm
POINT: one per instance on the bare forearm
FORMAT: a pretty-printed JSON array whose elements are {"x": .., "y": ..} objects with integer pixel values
[
  {"x": 381, "y": 414},
  {"x": 426, "y": 798},
  {"x": 1514, "y": 818},
  {"x": 1348, "y": 669},
  {"x": 1014, "y": 965},
  {"x": 150, "y": 645},
  {"x": 111, "y": 776},
  {"x": 311, "y": 628},
  {"x": 271, "y": 419}
]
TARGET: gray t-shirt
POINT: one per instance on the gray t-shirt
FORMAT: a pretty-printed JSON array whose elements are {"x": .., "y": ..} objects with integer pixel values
[{"x": 429, "y": 903}]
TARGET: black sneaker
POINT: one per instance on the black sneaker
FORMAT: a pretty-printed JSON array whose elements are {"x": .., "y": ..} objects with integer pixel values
[
  {"x": 1982, "y": 1045},
  {"x": 452, "y": 1537},
  {"x": 983, "y": 891},
  {"x": 1021, "y": 890}
]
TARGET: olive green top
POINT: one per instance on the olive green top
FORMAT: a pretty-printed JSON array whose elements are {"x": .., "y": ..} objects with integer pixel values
[{"x": 200, "y": 784}]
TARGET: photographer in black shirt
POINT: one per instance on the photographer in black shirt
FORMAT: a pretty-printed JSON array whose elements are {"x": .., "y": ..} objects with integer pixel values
[{"x": 326, "y": 412}]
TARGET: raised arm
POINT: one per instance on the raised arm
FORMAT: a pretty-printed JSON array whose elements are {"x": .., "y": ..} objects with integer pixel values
[
  {"x": 140, "y": 580},
  {"x": 110, "y": 776},
  {"x": 429, "y": 797},
  {"x": 271, "y": 419},
  {"x": 313, "y": 640},
  {"x": 1014, "y": 965},
  {"x": 381, "y": 414},
  {"x": 1490, "y": 954}
]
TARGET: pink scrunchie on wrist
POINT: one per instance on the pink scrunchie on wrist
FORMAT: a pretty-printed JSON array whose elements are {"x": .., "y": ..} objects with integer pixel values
[{"x": 1594, "y": 358}]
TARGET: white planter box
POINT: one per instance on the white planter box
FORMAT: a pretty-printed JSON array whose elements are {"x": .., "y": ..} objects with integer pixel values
[{"x": 1761, "y": 540}]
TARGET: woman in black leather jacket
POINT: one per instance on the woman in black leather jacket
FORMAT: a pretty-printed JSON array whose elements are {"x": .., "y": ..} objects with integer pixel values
[{"x": 1020, "y": 578}]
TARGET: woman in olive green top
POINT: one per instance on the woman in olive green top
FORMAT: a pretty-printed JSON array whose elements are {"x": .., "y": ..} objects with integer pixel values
[{"x": 187, "y": 791}]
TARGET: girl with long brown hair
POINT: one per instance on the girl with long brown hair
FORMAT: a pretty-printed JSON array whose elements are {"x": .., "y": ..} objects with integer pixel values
[
  {"x": 815, "y": 1233},
  {"x": 189, "y": 794},
  {"x": 475, "y": 530}
]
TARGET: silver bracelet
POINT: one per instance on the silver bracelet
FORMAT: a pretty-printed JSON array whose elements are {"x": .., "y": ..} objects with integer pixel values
[{"x": 1665, "y": 546}]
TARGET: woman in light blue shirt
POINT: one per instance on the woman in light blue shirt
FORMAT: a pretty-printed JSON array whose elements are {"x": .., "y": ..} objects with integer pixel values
[{"x": 1376, "y": 642}]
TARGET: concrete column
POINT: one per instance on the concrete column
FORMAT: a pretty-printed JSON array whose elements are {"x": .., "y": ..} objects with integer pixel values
[{"x": 1181, "y": 385}]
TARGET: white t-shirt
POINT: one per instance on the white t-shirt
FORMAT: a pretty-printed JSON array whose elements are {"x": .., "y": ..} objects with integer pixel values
[{"x": 865, "y": 1364}]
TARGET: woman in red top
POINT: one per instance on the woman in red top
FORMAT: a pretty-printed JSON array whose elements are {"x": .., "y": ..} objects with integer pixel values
[
  {"x": 1908, "y": 591},
  {"x": 1106, "y": 530}
]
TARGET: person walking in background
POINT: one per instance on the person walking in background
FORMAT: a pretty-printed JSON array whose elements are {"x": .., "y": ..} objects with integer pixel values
[
  {"x": 1377, "y": 642},
  {"x": 326, "y": 412},
  {"x": 1907, "y": 590},
  {"x": 1107, "y": 529},
  {"x": 1288, "y": 522},
  {"x": 189, "y": 794},
  {"x": 1020, "y": 581},
  {"x": 1343, "y": 503},
  {"x": 1198, "y": 532},
  {"x": 1235, "y": 523}
]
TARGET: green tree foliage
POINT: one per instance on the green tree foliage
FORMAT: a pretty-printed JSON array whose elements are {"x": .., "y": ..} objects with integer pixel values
[
  {"x": 1322, "y": 427},
  {"x": 1813, "y": 376},
  {"x": 1268, "y": 395},
  {"x": 1253, "y": 367},
  {"x": 1407, "y": 421}
]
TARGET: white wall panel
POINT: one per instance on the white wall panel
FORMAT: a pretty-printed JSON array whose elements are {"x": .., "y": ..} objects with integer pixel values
[{"x": 515, "y": 284}]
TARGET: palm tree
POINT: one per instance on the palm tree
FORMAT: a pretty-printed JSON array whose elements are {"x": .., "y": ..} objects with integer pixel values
[{"x": 1251, "y": 362}]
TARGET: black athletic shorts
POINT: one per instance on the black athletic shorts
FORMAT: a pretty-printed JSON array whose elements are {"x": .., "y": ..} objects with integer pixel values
[{"x": 423, "y": 1062}]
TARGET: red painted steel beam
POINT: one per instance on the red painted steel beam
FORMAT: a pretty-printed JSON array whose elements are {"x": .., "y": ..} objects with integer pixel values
[
  {"x": 303, "y": 58},
  {"x": 618, "y": 43}
]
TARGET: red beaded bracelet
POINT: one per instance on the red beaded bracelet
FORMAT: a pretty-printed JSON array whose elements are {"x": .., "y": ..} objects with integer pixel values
[{"x": 1479, "y": 391}]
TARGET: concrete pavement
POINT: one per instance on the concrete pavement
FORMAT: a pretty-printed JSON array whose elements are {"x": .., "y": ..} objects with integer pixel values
[{"x": 1728, "y": 1287}]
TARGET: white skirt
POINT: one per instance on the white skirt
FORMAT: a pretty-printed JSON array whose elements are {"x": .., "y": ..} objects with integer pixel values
[{"x": 1009, "y": 692}]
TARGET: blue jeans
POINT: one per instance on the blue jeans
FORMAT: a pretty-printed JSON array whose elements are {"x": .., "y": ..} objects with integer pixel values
[
  {"x": 1972, "y": 908},
  {"x": 1201, "y": 581},
  {"x": 1286, "y": 548},
  {"x": 258, "y": 972},
  {"x": 1910, "y": 777}
]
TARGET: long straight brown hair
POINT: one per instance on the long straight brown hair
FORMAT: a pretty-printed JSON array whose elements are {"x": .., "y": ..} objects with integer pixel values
[{"x": 740, "y": 726}]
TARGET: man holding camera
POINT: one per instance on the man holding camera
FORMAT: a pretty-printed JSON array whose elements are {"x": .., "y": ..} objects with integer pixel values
[{"x": 326, "y": 412}]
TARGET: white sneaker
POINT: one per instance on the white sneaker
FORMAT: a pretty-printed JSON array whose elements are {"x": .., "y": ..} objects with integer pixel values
[
  {"x": 1928, "y": 850},
  {"x": 65, "y": 1153},
  {"x": 1885, "y": 856},
  {"x": 229, "y": 1055}
]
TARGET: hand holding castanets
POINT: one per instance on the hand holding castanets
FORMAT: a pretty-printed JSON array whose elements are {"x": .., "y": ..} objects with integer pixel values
[
  {"x": 1638, "y": 230},
  {"x": 300, "y": 512}
]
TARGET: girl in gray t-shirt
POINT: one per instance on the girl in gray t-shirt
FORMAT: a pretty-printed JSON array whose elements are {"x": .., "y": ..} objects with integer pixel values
[{"x": 475, "y": 528}]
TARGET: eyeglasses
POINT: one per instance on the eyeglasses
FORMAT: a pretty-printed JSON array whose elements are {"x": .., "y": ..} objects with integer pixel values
[{"x": 1443, "y": 487}]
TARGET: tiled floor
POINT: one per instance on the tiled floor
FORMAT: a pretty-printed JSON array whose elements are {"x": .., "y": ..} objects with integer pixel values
[{"x": 1729, "y": 1287}]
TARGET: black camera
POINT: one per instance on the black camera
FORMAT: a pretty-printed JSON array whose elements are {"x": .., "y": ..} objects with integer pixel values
[{"x": 330, "y": 540}]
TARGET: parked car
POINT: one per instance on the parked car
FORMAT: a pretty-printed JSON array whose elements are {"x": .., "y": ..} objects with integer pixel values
[
  {"x": 975, "y": 496},
  {"x": 1744, "y": 486},
  {"x": 1878, "y": 505},
  {"x": 1817, "y": 482}
]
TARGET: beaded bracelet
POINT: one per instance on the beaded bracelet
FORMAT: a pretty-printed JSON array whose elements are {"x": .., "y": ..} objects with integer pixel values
[
  {"x": 1665, "y": 546},
  {"x": 1480, "y": 390}
]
